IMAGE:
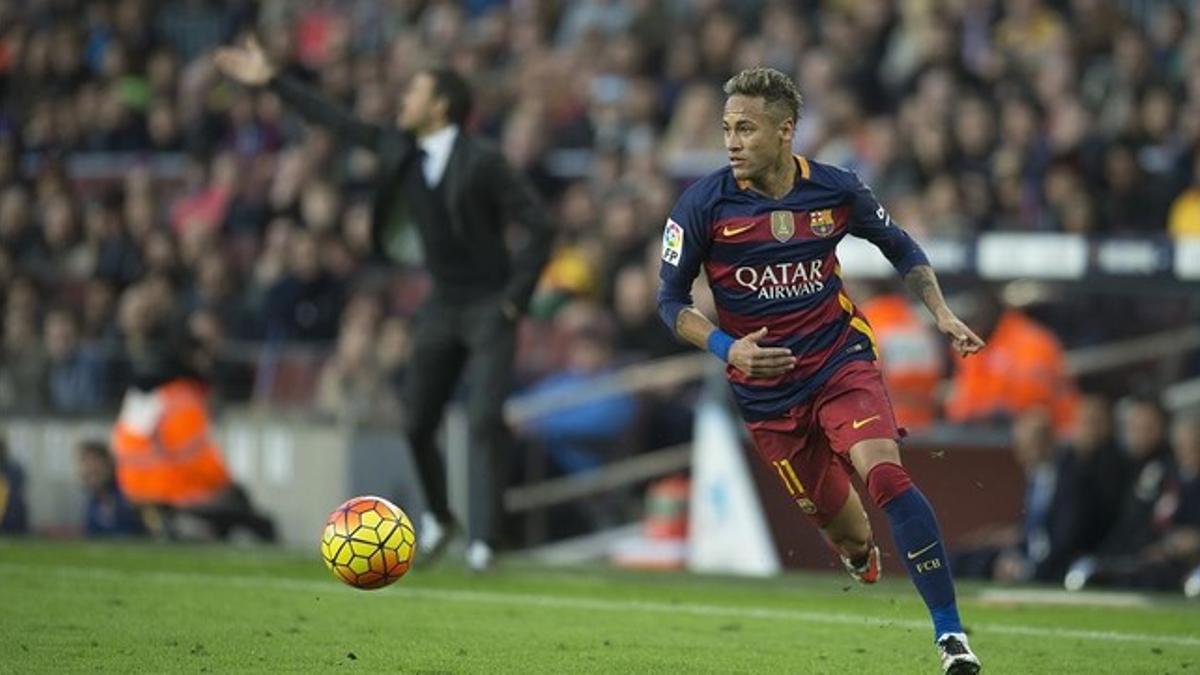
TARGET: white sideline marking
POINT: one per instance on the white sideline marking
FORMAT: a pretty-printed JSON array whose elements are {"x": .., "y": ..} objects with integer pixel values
[
  {"x": 1004, "y": 596},
  {"x": 592, "y": 604}
]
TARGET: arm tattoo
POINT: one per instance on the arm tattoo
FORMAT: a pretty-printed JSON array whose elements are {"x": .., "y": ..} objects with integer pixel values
[{"x": 922, "y": 283}]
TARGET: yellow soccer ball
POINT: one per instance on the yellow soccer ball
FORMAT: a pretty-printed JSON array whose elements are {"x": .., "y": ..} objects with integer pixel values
[{"x": 368, "y": 542}]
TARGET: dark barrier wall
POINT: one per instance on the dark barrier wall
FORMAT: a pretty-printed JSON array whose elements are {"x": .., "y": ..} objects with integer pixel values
[{"x": 969, "y": 487}]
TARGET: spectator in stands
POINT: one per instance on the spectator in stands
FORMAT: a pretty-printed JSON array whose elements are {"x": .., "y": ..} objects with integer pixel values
[
  {"x": 23, "y": 366},
  {"x": 106, "y": 513},
  {"x": 215, "y": 288},
  {"x": 1169, "y": 511},
  {"x": 393, "y": 349},
  {"x": 304, "y": 305},
  {"x": 1184, "y": 220},
  {"x": 1127, "y": 204},
  {"x": 583, "y": 436},
  {"x": 14, "y": 513},
  {"x": 229, "y": 376},
  {"x": 1052, "y": 503},
  {"x": 118, "y": 259},
  {"x": 210, "y": 189},
  {"x": 1104, "y": 471},
  {"x": 76, "y": 372},
  {"x": 1022, "y": 368},
  {"x": 168, "y": 460},
  {"x": 352, "y": 386},
  {"x": 639, "y": 331},
  {"x": 98, "y": 320},
  {"x": 61, "y": 253},
  {"x": 1142, "y": 425},
  {"x": 17, "y": 235},
  {"x": 1186, "y": 447},
  {"x": 1029, "y": 32},
  {"x": 690, "y": 130},
  {"x": 909, "y": 353},
  {"x": 1043, "y": 543}
]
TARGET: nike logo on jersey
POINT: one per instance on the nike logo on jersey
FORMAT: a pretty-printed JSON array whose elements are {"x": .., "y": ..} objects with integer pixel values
[
  {"x": 734, "y": 231},
  {"x": 913, "y": 555},
  {"x": 858, "y": 424}
]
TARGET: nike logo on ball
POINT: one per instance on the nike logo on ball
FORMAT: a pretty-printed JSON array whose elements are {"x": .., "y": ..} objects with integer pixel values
[
  {"x": 913, "y": 555},
  {"x": 858, "y": 424}
]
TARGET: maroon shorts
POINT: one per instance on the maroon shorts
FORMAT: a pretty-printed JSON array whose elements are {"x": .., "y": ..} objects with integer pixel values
[{"x": 809, "y": 447}]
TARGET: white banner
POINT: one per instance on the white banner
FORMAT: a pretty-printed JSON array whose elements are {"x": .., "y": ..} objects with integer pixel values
[{"x": 727, "y": 530}]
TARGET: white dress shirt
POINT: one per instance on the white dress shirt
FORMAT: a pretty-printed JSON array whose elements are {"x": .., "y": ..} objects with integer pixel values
[{"x": 437, "y": 147}]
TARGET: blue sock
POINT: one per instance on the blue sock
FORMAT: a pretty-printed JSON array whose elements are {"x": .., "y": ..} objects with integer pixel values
[{"x": 915, "y": 531}]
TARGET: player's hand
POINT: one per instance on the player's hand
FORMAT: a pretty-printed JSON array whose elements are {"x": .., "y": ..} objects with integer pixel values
[
  {"x": 755, "y": 361},
  {"x": 247, "y": 64},
  {"x": 962, "y": 339}
]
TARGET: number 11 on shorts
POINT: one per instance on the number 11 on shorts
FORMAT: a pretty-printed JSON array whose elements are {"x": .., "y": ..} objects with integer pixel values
[
  {"x": 790, "y": 480},
  {"x": 794, "y": 487}
]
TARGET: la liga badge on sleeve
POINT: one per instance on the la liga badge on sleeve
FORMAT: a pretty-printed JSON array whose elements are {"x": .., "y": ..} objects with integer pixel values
[{"x": 672, "y": 243}]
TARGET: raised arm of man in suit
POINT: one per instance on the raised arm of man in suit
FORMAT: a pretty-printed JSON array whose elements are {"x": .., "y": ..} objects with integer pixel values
[
  {"x": 520, "y": 203},
  {"x": 250, "y": 66}
]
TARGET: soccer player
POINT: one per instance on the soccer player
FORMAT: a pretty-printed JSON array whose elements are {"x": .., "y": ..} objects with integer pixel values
[{"x": 801, "y": 357}]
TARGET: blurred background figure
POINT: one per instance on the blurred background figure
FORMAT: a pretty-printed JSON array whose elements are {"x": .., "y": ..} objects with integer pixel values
[
  {"x": 1043, "y": 542},
  {"x": 583, "y": 436},
  {"x": 167, "y": 458},
  {"x": 14, "y": 514},
  {"x": 911, "y": 355},
  {"x": 1103, "y": 471},
  {"x": 1022, "y": 368},
  {"x": 77, "y": 373},
  {"x": 106, "y": 512},
  {"x": 1162, "y": 554}
]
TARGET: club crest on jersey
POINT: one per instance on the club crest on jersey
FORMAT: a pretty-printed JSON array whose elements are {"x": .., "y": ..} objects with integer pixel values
[
  {"x": 821, "y": 222},
  {"x": 783, "y": 225}
]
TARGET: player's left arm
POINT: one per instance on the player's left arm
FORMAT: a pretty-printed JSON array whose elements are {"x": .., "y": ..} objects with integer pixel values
[{"x": 869, "y": 220}]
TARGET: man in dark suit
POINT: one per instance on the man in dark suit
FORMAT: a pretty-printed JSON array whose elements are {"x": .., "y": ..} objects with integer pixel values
[{"x": 462, "y": 194}]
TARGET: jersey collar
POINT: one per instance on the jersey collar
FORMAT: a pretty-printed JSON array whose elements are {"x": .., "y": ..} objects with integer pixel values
[{"x": 802, "y": 172}]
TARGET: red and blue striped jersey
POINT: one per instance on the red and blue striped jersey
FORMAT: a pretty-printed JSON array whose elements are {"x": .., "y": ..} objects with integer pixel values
[{"x": 773, "y": 263}]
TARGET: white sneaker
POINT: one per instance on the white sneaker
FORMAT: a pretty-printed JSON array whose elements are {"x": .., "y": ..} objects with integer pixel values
[
  {"x": 479, "y": 556},
  {"x": 1080, "y": 573},
  {"x": 1191, "y": 587},
  {"x": 433, "y": 538},
  {"x": 956, "y": 655}
]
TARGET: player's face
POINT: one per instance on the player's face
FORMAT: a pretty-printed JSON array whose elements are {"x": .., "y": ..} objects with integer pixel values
[
  {"x": 754, "y": 137},
  {"x": 419, "y": 107}
]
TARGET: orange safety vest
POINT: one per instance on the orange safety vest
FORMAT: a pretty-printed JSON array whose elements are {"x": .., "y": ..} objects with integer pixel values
[
  {"x": 164, "y": 448},
  {"x": 909, "y": 358},
  {"x": 1020, "y": 369}
]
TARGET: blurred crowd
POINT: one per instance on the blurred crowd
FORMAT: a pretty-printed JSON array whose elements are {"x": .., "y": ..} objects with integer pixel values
[{"x": 145, "y": 201}]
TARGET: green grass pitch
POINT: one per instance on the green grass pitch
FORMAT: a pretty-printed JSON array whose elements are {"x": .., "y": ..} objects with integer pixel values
[{"x": 73, "y": 607}]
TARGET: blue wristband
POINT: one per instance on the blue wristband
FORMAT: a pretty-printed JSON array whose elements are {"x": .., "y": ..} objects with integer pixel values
[{"x": 719, "y": 343}]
